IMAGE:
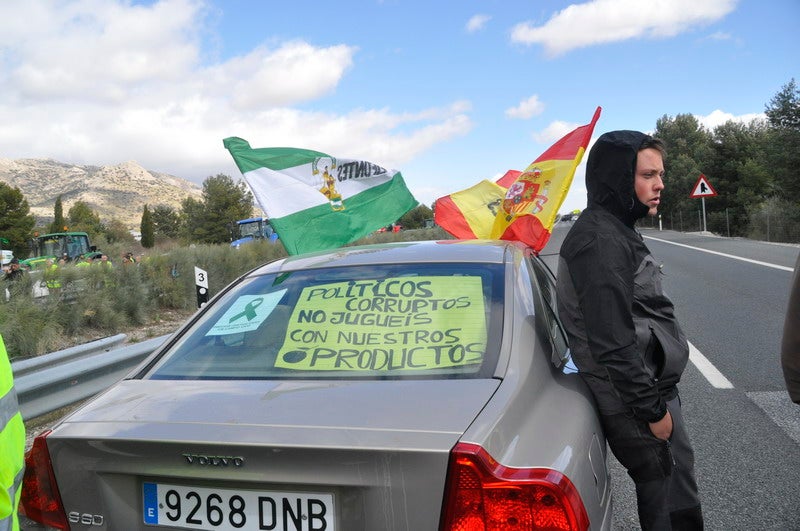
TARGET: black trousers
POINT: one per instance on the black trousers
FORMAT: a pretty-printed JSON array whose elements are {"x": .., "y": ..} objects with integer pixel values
[{"x": 662, "y": 471}]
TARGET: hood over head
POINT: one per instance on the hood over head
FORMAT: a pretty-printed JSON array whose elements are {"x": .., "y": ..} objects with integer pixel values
[{"x": 610, "y": 172}]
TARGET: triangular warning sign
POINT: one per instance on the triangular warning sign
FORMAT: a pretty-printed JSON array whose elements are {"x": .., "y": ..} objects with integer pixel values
[{"x": 703, "y": 188}]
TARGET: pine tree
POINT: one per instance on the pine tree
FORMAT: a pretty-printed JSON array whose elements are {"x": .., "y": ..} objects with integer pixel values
[
  {"x": 223, "y": 201},
  {"x": 16, "y": 221},
  {"x": 58, "y": 223},
  {"x": 783, "y": 110},
  {"x": 147, "y": 229},
  {"x": 166, "y": 221},
  {"x": 82, "y": 218}
]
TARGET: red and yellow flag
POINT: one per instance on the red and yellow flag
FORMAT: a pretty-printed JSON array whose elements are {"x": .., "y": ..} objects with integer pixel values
[
  {"x": 470, "y": 213},
  {"x": 520, "y": 206}
]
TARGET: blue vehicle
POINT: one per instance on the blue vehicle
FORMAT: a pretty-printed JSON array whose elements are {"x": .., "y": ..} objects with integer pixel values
[{"x": 252, "y": 229}]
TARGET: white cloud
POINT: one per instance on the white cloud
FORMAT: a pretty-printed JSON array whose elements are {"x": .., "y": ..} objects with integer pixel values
[
  {"x": 604, "y": 21},
  {"x": 554, "y": 132},
  {"x": 96, "y": 50},
  {"x": 477, "y": 23},
  {"x": 295, "y": 72},
  {"x": 527, "y": 108},
  {"x": 102, "y": 81},
  {"x": 719, "y": 117}
]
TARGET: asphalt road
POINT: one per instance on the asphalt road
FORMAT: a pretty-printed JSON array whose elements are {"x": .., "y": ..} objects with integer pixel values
[{"x": 730, "y": 296}]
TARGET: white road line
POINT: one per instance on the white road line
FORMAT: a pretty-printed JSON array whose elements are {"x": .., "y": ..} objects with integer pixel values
[
  {"x": 707, "y": 369},
  {"x": 767, "y": 264}
]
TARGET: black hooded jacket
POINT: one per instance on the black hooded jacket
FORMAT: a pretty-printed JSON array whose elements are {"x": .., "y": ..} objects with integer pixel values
[{"x": 622, "y": 329}]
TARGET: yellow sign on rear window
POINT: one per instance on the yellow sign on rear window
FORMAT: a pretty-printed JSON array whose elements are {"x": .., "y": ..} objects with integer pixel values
[{"x": 396, "y": 324}]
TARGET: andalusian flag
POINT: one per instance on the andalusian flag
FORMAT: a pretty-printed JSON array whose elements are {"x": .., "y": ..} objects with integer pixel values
[
  {"x": 315, "y": 201},
  {"x": 528, "y": 207}
]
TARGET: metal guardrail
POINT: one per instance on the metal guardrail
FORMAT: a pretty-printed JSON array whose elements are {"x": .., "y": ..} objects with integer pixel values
[{"x": 47, "y": 383}]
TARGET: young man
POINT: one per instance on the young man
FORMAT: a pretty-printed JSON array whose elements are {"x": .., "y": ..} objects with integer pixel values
[{"x": 623, "y": 333}]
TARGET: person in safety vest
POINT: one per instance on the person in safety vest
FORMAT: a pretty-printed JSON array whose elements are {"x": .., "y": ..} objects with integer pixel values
[
  {"x": 51, "y": 277},
  {"x": 12, "y": 446}
]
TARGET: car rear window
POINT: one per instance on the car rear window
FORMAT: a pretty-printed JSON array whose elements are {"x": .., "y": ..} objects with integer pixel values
[{"x": 365, "y": 322}]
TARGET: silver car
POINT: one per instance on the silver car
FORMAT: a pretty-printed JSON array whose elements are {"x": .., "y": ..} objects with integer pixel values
[{"x": 411, "y": 386}]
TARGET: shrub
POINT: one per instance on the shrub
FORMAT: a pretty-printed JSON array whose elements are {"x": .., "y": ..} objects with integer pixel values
[{"x": 28, "y": 328}]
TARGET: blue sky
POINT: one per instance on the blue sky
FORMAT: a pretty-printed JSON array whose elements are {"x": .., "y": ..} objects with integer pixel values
[{"x": 448, "y": 92}]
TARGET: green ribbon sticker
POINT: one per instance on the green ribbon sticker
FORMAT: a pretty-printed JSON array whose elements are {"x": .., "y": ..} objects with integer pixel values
[
  {"x": 395, "y": 324},
  {"x": 249, "y": 310},
  {"x": 246, "y": 313}
]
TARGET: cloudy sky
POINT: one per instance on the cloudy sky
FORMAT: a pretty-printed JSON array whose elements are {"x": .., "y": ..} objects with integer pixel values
[{"x": 448, "y": 92}]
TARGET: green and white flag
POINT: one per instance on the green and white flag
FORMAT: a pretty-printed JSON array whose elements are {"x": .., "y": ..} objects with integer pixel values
[{"x": 315, "y": 201}]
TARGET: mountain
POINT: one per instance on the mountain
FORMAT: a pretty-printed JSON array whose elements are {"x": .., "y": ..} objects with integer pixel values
[{"x": 113, "y": 192}]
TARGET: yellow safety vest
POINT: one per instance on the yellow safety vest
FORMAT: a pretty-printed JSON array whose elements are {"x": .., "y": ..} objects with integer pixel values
[
  {"x": 12, "y": 446},
  {"x": 51, "y": 277}
]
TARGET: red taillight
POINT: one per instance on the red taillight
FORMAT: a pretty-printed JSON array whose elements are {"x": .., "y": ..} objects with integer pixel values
[
  {"x": 40, "y": 499},
  {"x": 483, "y": 495}
]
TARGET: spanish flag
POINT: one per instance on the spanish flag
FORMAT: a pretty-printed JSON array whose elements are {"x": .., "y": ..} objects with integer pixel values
[
  {"x": 470, "y": 213},
  {"x": 520, "y": 206}
]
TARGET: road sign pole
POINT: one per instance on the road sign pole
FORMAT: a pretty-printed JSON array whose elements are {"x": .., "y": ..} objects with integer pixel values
[{"x": 703, "y": 199}]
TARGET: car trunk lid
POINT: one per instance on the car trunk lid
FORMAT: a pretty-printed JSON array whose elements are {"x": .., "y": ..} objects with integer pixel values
[{"x": 369, "y": 454}]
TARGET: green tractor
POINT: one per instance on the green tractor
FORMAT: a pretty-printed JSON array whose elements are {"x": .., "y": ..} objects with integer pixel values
[{"x": 57, "y": 245}]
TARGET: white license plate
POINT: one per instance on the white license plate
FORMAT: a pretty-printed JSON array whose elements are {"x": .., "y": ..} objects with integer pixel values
[{"x": 236, "y": 510}]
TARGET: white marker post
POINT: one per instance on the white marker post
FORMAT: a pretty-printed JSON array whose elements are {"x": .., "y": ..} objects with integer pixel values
[
  {"x": 201, "y": 283},
  {"x": 703, "y": 189}
]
